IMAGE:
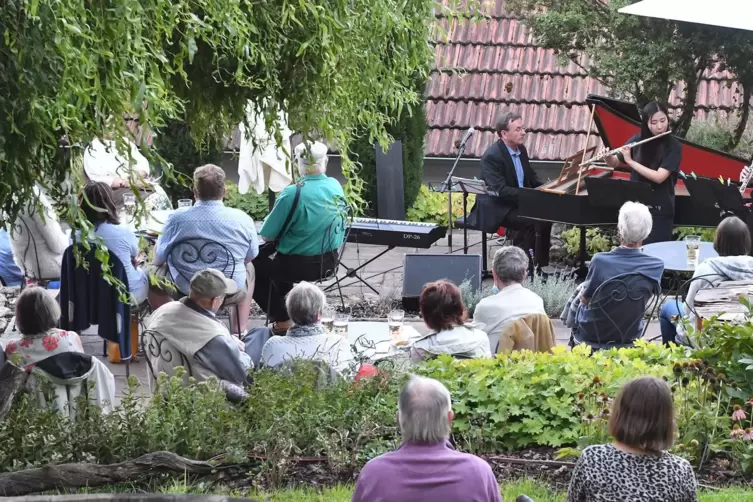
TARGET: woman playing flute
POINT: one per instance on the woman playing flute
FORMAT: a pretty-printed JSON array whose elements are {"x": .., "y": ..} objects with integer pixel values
[{"x": 656, "y": 162}]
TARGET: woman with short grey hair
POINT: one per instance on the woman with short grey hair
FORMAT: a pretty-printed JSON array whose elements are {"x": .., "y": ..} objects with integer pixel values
[
  {"x": 37, "y": 317},
  {"x": 306, "y": 338},
  {"x": 56, "y": 356}
]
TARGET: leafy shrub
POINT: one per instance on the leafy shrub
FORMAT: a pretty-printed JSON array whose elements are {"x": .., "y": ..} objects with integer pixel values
[
  {"x": 707, "y": 234},
  {"x": 431, "y": 207},
  {"x": 253, "y": 204},
  {"x": 175, "y": 144},
  {"x": 512, "y": 401},
  {"x": 471, "y": 297},
  {"x": 411, "y": 129},
  {"x": 598, "y": 240},
  {"x": 728, "y": 347},
  {"x": 718, "y": 135},
  {"x": 526, "y": 398},
  {"x": 556, "y": 289}
]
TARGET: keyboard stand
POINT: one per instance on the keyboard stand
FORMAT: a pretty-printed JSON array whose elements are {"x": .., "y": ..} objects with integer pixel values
[{"x": 352, "y": 273}]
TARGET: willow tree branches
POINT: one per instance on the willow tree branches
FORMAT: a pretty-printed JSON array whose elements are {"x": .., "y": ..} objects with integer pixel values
[{"x": 73, "y": 68}]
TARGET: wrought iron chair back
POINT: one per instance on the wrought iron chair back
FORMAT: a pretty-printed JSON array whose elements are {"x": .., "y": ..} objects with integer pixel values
[
  {"x": 704, "y": 282},
  {"x": 198, "y": 253},
  {"x": 617, "y": 310},
  {"x": 157, "y": 348}
]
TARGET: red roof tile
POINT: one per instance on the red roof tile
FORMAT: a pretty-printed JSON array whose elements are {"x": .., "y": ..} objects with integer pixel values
[{"x": 484, "y": 66}]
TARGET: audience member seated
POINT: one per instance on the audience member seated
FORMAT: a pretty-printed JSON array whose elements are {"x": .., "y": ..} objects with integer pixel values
[
  {"x": 513, "y": 301},
  {"x": 9, "y": 271},
  {"x": 636, "y": 466},
  {"x": 306, "y": 338},
  {"x": 103, "y": 163},
  {"x": 51, "y": 354},
  {"x": 733, "y": 244},
  {"x": 307, "y": 247},
  {"x": 209, "y": 220},
  {"x": 37, "y": 240},
  {"x": 98, "y": 206},
  {"x": 190, "y": 327},
  {"x": 426, "y": 466},
  {"x": 444, "y": 313},
  {"x": 633, "y": 226}
]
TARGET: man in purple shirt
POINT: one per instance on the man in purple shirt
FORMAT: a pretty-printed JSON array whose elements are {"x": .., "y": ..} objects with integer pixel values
[{"x": 426, "y": 466}]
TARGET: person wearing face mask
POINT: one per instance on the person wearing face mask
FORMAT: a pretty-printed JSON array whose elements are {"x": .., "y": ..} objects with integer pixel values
[
  {"x": 656, "y": 162},
  {"x": 506, "y": 170},
  {"x": 190, "y": 327}
]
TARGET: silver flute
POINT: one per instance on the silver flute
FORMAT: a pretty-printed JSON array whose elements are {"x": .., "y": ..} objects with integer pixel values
[{"x": 614, "y": 151}]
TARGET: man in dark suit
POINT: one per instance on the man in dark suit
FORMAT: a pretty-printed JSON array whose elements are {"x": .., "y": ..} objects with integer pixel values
[{"x": 505, "y": 169}]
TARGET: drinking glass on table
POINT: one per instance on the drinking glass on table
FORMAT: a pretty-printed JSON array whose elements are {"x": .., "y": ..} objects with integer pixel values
[
  {"x": 328, "y": 319},
  {"x": 692, "y": 248},
  {"x": 395, "y": 323},
  {"x": 185, "y": 203},
  {"x": 340, "y": 323},
  {"x": 129, "y": 204}
]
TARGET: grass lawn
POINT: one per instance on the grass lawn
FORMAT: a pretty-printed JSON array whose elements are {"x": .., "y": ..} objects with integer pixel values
[{"x": 537, "y": 491}]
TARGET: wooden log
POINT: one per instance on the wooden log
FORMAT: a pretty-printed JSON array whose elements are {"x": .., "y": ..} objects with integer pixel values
[
  {"x": 12, "y": 380},
  {"x": 65, "y": 476},
  {"x": 525, "y": 461}
]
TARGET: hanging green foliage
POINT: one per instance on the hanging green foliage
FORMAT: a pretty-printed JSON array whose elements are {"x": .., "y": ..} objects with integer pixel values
[{"x": 73, "y": 68}]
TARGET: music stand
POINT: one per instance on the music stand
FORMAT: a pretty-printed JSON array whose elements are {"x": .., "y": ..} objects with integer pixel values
[
  {"x": 468, "y": 186},
  {"x": 729, "y": 198},
  {"x": 709, "y": 192},
  {"x": 702, "y": 191},
  {"x": 612, "y": 193}
]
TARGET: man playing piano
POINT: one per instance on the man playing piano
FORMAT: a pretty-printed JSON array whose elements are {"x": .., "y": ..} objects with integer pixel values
[{"x": 505, "y": 169}]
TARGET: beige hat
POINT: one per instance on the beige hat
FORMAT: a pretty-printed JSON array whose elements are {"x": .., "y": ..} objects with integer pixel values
[{"x": 211, "y": 283}]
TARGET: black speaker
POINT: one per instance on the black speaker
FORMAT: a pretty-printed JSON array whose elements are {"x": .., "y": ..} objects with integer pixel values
[
  {"x": 419, "y": 269},
  {"x": 389, "y": 181}
]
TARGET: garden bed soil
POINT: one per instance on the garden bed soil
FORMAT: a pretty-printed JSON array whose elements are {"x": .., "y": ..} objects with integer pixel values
[{"x": 537, "y": 463}]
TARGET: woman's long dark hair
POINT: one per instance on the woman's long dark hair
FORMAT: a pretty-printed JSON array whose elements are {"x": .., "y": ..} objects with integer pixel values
[
  {"x": 651, "y": 153},
  {"x": 98, "y": 205}
]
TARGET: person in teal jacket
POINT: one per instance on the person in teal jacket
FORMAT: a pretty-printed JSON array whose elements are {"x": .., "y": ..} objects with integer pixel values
[{"x": 307, "y": 248}]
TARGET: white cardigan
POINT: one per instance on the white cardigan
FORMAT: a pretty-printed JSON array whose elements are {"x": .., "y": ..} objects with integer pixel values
[{"x": 50, "y": 241}]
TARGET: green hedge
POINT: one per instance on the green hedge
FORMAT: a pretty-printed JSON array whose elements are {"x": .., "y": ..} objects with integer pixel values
[{"x": 510, "y": 402}]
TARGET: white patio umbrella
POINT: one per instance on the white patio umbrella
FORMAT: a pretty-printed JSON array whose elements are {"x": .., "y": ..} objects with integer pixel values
[{"x": 727, "y": 13}]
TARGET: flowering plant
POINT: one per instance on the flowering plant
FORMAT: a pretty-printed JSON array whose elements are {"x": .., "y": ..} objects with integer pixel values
[{"x": 741, "y": 435}]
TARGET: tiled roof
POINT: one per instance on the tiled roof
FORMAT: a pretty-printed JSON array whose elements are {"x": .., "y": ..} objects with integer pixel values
[{"x": 484, "y": 66}]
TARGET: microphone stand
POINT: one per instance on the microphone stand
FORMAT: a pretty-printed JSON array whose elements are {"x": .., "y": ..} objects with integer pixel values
[{"x": 446, "y": 187}]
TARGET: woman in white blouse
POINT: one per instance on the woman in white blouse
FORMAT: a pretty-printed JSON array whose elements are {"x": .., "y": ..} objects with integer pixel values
[
  {"x": 37, "y": 240},
  {"x": 105, "y": 164}
]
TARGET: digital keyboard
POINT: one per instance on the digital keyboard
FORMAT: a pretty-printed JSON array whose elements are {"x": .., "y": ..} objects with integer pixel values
[{"x": 395, "y": 233}]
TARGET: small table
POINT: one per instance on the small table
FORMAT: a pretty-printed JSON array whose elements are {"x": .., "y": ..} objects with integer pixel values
[
  {"x": 722, "y": 300},
  {"x": 674, "y": 255},
  {"x": 151, "y": 227},
  {"x": 373, "y": 340}
]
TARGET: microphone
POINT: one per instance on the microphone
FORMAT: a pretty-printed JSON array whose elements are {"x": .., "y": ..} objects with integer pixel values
[{"x": 467, "y": 136}]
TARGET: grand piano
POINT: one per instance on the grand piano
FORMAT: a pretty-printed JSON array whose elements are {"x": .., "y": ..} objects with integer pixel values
[{"x": 566, "y": 199}]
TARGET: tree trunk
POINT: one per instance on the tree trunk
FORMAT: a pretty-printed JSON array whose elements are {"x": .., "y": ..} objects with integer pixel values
[
  {"x": 688, "y": 106},
  {"x": 64, "y": 476},
  {"x": 744, "y": 113},
  {"x": 12, "y": 380}
]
